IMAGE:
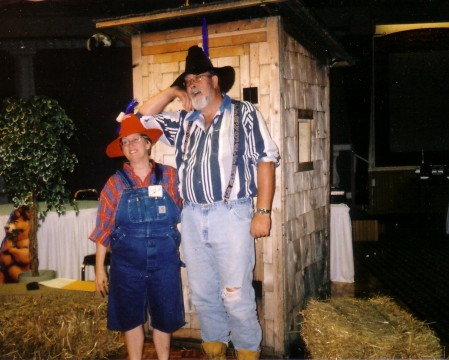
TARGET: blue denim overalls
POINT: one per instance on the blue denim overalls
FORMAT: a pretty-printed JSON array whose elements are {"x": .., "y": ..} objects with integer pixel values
[{"x": 145, "y": 263}]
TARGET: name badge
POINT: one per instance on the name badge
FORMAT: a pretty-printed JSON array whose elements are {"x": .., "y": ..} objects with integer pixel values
[{"x": 155, "y": 191}]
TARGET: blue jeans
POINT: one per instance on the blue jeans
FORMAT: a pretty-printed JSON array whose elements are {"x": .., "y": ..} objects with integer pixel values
[{"x": 220, "y": 257}]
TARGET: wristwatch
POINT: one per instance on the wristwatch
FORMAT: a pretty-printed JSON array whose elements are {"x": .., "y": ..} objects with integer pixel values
[{"x": 263, "y": 211}]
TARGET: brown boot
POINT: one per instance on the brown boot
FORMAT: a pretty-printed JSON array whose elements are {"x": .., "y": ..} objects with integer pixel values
[
  {"x": 215, "y": 350},
  {"x": 244, "y": 354}
]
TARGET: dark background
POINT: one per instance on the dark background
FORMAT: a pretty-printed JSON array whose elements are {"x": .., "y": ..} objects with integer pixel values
[
  {"x": 93, "y": 88},
  {"x": 405, "y": 90},
  {"x": 411, "y": 79}
]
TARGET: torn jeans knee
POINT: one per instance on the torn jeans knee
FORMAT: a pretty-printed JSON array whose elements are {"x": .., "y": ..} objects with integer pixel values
[{"x": 231, "y": 293}]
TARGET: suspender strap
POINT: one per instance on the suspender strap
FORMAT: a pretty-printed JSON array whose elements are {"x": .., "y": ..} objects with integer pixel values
[
  {"x": 187, "y": 137},
  {"x": 124, "y": 176},
  {"x": 236, "y": 150},
  {"x": 158, "y": 173},
  {"x": 235, "y": 153}
]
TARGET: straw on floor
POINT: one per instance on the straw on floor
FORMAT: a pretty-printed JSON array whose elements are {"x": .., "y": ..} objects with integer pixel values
[
  {"x": 66, "y": 325},
  {"x": 376, "y": 328}
]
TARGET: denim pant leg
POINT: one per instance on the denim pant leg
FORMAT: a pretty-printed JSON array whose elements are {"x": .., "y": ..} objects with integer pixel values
[{"x": 219, "y": 253}]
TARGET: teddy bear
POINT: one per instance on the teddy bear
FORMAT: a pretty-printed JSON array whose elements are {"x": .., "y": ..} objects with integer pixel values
[{"x": 15, "y": 247}]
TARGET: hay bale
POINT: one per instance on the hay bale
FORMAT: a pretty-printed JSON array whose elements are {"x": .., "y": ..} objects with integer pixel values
[
  {"x": 349, "y": 328},
  {"x": 66, "y": 325}
]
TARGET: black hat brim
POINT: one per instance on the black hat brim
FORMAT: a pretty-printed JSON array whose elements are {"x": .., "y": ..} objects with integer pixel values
[{"x": 226, "y": 77}]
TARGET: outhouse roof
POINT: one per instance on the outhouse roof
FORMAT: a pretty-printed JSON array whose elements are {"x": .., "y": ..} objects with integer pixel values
[{"x": 297, "y": 19}]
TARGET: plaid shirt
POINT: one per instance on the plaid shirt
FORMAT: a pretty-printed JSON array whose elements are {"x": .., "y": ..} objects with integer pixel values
[{"x": 112, "y": 192}]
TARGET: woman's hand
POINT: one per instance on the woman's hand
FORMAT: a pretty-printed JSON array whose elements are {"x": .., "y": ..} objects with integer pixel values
[{"x": 101, "y": 281}]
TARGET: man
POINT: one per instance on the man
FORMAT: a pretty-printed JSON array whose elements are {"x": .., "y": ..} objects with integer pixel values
[{"x": 225, "y": 157}]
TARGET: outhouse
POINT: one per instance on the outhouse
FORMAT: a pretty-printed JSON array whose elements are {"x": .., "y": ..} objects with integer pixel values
[{"x": 282, "y": 58}]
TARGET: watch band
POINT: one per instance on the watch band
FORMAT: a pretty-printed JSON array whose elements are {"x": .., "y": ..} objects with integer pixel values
[{"x": 263, "y": 211}]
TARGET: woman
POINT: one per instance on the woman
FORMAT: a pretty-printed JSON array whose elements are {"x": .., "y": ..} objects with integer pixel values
[{"x": 137, "y": 216}]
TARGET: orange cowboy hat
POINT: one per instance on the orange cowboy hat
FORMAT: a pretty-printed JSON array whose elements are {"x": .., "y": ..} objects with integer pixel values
[{"x": 130, "y": 125}]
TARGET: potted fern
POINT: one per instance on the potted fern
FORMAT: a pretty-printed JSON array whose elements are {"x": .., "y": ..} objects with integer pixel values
[{"x": 35, "y": 157}]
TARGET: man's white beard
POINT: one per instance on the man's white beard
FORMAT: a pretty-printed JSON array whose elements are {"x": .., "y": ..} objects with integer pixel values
[{"x": 200, "y": 102}]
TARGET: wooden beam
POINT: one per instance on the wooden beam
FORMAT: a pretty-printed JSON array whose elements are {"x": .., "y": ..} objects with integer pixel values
[
  {"x": 186, "y": 12},
  {"x": 242, "y": 25},
  {"x": 237, "y": 50},
  {"x": 213, "y": 42}
]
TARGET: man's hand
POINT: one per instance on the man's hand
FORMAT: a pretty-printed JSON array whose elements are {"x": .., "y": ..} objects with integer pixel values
[
  {"x": 260, "y": 225},
  {"x": 182, "y": 95},
  {"x": 158, "y": 102}
]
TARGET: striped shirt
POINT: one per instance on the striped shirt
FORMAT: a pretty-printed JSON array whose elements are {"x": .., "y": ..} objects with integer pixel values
[
  {"x": 204, "y": 168},
  {"x": 112, "y": 192}
]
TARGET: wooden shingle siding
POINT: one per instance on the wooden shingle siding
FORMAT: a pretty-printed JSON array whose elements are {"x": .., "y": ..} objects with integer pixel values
[{"x": 304, "y": 93}]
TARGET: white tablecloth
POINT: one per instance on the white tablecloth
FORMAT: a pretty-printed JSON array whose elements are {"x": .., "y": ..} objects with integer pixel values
[
  {"x": 341, "y": 257},
  {"x": 62, "y": 241}
]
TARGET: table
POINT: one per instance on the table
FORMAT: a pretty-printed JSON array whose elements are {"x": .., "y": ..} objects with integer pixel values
[
  {"x": 19, "y": 289},
  {"x": 341, "y": 253},
  {"x": 63, "y": 239}
]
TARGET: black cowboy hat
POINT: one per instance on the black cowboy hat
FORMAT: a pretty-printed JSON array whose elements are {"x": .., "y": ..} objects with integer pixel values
[{"x": 197, "y": 63}]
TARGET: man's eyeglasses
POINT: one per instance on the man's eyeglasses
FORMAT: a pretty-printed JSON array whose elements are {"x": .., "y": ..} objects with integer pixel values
[
  {"x": 127, "y": 142},
  {"x": 195, "y": 79}
]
